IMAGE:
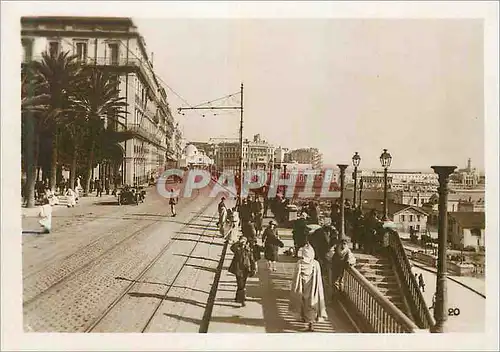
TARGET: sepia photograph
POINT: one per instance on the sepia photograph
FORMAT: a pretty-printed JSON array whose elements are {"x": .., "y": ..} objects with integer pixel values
[{"x": 272, "y": 174}]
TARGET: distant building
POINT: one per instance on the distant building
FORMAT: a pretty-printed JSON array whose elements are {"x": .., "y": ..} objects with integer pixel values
[
  {"x": 194, "y": 158},
  {"x": 468, "y": 177},
  {"x": 227, "y": 156},
  {"x": 462, "y": 200},
  {"x": 257, "y": 153},
  {"x": 417, "y": 199},
  {"x": 466, "y": 229},
  {"x": 306, "y": 156},
  {"x": 280, "y": 156},
  {"x": 407, "y": 218}
]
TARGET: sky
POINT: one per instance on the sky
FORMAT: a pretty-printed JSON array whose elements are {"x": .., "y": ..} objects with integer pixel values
[{"x": 413, "y": 86}]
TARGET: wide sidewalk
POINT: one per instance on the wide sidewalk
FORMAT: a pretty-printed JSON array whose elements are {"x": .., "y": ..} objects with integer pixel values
[{"x": 266, "y": 309}]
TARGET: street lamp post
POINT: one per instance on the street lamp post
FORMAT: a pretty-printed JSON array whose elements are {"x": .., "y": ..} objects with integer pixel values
[
  {"x": 360, "y": 193},
  {"x": 342, "y": 168},
  {"x": 356, "y": 159},
  {"x": 440, "y": 313},
  {"x": 385, "y": 160}
]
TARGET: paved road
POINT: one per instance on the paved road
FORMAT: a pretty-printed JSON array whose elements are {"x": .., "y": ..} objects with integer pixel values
[
  {"x": 102, "y": 257},
  {"x": 471, "y": 305}
]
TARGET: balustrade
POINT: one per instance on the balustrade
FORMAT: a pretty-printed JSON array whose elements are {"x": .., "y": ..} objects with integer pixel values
[
  {"x": 403, "y": 266},
  {"x": 381, "y": 315}
]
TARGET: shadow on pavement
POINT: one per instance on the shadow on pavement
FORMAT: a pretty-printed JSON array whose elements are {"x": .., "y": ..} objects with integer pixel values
[
  {"x": 33, "y": 232},
  {"x": 197, "y": 233},
  {"x": 235, "y": 319},
  {"x": 115, "y": 202},
  {"x": 171, "y": 299},
  {"x": 201, "y": 242},
  {"x": 195, "y": 257},
  {"x": 210, "y": 270}
]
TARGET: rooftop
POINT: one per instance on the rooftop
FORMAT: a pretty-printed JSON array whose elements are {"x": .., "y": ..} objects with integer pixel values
[{"x": 469, "y": 219}]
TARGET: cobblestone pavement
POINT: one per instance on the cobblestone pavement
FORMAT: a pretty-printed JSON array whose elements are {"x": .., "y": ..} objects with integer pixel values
[
  {"x": 73, "y": 275},
  {"x": 471, "y": 305},
  {"x": 266, "y": 310}
]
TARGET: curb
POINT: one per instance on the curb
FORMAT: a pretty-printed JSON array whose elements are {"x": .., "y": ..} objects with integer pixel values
[
  {"x": 450, "y": 278},
  {"x": 213, "y": 291}
]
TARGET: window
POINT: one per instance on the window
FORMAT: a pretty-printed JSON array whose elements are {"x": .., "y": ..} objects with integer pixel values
[
  {"x": 414, "y": 200},
  {"x": 411, "y": 218},
  {"x": 402, "y": 218},
  {"x": 418, "y": 218},
  {"x": 113, "y": 53},
  {"x": 54, "y": 48},
  {"x": 27, "y": 50},
  {"x": 417, "y": 227},
  {"x": 81, "y": 51}
]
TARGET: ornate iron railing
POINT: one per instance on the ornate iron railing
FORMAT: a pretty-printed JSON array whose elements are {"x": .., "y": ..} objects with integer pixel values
[
  {"x": 381, "y": 315},
  {"x": 414, "y": 296}
]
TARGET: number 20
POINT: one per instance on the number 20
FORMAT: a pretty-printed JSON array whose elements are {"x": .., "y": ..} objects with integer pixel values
[{"x": 453, "y": 312}]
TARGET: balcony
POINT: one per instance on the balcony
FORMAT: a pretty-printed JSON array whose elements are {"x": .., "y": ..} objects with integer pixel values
[
  {"x": 142, "y": 132},
  {"x": 120, "y": 62}
]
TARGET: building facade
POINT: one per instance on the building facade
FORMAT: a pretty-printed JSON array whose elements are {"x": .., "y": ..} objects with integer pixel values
[
  {"x": 257, "y": 153},
  {"x": 306, "y": 156},
  {"x": 114, "y": 44},
  {"x": 466, "y": 229}
]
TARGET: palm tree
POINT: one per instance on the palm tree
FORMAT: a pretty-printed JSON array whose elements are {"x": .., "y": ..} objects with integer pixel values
[
  {"x": 34, "y": 103},
  {"x": 58, "y": 73},
  {"x": 97, "y": 102}
]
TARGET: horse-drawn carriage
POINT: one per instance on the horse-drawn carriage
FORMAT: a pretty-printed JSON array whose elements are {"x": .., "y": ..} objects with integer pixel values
[{"x": 131, "y": 195}]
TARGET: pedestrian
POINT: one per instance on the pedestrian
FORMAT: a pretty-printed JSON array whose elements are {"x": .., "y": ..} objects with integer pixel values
[
  {"x": 341, "y": 256},
  {"x": 248, "y": 231},
  {"x": 313, "y": 212},
  {"x": 173, "y": 201},
  {"x": 223, "y": 213},
  {"x": 46, "y": 215},
  {"x": 433, "y": 301},
  {"x": 242, "y": 266},
  {"x": 106, "y": 185},
  {"x": 220, "y": 208},
  {"x": 299, "y": 232},
  {"x": 421, "y": 283},
  {"x": 307, "y": 300},
  {"x": 70, "y": 197},
  {"x": 258, "y": 215},
  {"x": 98, "y": 187},
  {"x": 272, "y": 242},
  {"x": 320, "y": 241},
  {"x": 245, "y": 211}
]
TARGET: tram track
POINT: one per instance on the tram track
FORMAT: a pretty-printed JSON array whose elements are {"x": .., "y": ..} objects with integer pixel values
[
  {"x": 87, "y": 258},
  {"x": 149, "y": 266},
  {"x": 110, "y": 232}
]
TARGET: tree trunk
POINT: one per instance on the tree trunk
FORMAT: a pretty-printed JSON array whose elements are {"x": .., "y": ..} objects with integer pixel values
[
  {"x": 72, "y": 171},
  {"x": 53, "y": 162},
  {"x": 89, "y": 169},
  {"x": 30, "y": 153}
]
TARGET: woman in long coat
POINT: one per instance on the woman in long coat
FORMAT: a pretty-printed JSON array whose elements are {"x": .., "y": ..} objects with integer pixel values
[
  {"x": 271, "y": 242},
  {"x": 242, "y": 266},
  {"x": 307, "y": 298}
]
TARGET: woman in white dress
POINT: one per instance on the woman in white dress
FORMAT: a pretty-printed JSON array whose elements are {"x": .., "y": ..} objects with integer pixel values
[{"x": 46, "y": 215}]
